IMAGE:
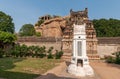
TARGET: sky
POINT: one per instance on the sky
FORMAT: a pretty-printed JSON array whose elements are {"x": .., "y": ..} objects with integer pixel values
[{"x": 28, "y": 11}]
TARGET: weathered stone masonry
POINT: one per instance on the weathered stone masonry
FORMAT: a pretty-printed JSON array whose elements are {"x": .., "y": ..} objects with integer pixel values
[
  {"x": 58, "y": 32},
  {"x": 106, "y": 45}
]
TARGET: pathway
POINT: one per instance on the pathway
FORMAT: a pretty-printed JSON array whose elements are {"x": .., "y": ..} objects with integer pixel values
[
  {"x": 106, "y": 71},
  {"x": 59, "y": 72},
  {"x": 102, "y": 71}
]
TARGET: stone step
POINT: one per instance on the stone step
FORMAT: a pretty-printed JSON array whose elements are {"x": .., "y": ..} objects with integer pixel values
[
  {"x": 66, "y": 57},
  {"x": 93, "y": 57},
  {"x": 69, "y": 54}
]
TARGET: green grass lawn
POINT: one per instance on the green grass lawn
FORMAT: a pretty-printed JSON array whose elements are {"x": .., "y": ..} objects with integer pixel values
[{"x": 25, "y": 68}]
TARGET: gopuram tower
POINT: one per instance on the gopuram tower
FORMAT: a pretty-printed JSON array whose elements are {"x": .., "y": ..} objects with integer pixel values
[{"x": 79, "y": 18}]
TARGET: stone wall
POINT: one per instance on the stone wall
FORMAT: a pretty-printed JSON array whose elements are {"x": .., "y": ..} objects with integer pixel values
[
  {"x": 107, "y": 49},
  {"x": 36, "y": 41},
  {"x": 108, "y": 45}
]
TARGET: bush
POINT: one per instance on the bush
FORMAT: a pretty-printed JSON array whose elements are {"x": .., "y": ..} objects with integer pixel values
[
  {"x": 23, "y": 50},
  {"x": 50, "y": 56},
  {"x": 59, "y": 54},
  {"x": 50, "y": 50},
  {"x": 15, "y": 51},
  {"x": 41, "y": 55},
  {"x": 117, "y": 59},
  {"x": 1, "y": 52},
  {"x": 27, "y": 30},
  {"x": 110, "y": 59},
  {"x": 31, "y": 51}
]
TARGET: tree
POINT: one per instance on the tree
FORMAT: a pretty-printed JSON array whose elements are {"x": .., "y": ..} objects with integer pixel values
[
  {"x": 6, "y": 23},
  {"x": 40, "y": 22},
  {"x": 6, "y": 38},
  {"x": 27, "y": 30},
  {"x": 107, "y": 27},
  {"x": 6, "y": 41},
  {"x": 56, "y": 16}
]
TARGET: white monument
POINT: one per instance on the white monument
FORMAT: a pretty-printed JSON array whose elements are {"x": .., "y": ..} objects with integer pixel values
[{"x": 79, "y": 63}]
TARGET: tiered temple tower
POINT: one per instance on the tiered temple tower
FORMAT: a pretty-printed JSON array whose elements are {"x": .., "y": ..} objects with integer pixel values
[{"x": 80, "y": 17}]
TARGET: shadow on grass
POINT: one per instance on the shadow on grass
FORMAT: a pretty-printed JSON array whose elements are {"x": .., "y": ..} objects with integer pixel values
[
  {"x": 17, "y": 75},
  {"x": 53, "y": 76},
  {"x": 8, "y": 63}
]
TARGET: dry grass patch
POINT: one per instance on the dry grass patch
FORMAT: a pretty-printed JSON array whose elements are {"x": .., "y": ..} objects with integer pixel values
[{"x": 25, "y": 66}]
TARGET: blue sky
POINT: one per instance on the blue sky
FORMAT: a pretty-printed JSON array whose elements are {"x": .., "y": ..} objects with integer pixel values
[{"x": 28, "y": 11}]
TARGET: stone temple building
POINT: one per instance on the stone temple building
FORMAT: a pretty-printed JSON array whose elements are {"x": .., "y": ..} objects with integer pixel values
[{"x": 62, "y": 27}]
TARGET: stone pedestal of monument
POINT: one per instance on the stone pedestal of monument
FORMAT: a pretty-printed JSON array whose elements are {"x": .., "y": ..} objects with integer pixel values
[{"x": 79, "y": 62}]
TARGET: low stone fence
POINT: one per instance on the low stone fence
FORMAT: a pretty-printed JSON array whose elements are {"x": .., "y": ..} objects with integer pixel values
[
  {"x": 38, "y": 41},
  {"x": 108, "y": 45}
]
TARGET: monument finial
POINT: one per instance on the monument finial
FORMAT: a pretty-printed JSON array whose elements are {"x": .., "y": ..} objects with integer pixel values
[
  {"x": 71, "y": 10},
  {"x": 86, "y": 9}
]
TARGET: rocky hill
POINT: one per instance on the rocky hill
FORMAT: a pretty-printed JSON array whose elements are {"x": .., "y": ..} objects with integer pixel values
[{"x": 52, "y": 27}]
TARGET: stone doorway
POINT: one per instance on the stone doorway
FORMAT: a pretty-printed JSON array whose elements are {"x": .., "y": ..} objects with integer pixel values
[{"x": 80, "y": 62}]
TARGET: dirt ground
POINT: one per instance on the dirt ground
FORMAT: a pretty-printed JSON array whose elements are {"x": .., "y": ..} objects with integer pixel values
[
  {"x": 106, "y": 71},
  {"x": 102, "y": 71}
]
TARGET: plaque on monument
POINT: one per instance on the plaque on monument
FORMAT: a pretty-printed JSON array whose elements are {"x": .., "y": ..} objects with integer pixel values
[{"x": 79, "y": 48}]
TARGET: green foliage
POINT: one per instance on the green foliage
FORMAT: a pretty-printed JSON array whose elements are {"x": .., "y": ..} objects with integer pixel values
[
  {"x": 50, "y": 56},
  {"x": 32, "y": 51},
  {"x": 6, "y": 37},
  {"x": 50, "y": 50},
  {"x": 27, "y": 30},
  {"x": 107, "y": 27},
  {"x": 40, "y": 22},
  {"x": 15, "y": 51},
  {"x": 110, "y": 59},
  {"x": 42, "y": 52},
  {"x": 19, "y": 51},
  {"x": 6, "y": 23},
  {"x": 38, "y": 34},
  {"x": 59, "y": 54},
  {"x": 6, "y": 40},
  {"x": 1, "y": 52},
  {"x": 117, "y": 59},
  {"x": 23, "y": 50},
  {"x": 28, "y": 51}
]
